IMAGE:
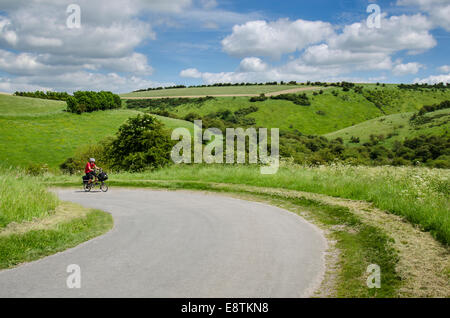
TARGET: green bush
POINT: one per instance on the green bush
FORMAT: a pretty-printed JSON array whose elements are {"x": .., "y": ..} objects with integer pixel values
[
  {"x": 298, "y": 99},
  {"x": 260, "y": 98},
  {"x": 36, "y": 169},
  {"x": 354, "y": 140},
  {"x": 76, "y": 164},
  {"x": 142, "y": 142},
  {"x": 165, "y": 103}
]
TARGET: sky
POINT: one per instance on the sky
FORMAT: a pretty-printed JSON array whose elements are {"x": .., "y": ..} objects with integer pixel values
[{"x": 123, "y": 46}]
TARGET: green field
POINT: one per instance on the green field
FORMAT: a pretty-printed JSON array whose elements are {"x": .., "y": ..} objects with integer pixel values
[
  {"x": 51, "y": 135},
  {"x": 398, "y": 126},
  {"x": 26, "y": 106},
  {"x": 39, "y": 131},
  {"x": 225, "y": 90}
]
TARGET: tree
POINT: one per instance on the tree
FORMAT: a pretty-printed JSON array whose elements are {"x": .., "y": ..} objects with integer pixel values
[
  {"x": 142, "y": 142},
  {"x": 92, "y": 101}
]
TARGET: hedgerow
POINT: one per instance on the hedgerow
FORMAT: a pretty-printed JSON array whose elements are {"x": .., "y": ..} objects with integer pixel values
[
  {"x": 164, "y": 103},
  {"x": 44, "y": 95}
]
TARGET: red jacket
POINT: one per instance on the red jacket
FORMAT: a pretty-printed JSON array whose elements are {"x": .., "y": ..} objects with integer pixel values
[{"x": 89, "y": 167}]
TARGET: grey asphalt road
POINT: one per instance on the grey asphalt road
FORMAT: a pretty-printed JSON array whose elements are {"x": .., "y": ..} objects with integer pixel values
[{"x": 181, "y": 244}]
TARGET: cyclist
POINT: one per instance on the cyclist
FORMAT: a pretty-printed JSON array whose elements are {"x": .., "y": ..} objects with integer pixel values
[{"x": 90, "y": 170}]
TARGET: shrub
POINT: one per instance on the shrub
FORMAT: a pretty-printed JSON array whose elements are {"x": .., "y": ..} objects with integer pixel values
[
  {"x": 260, "y": 98},
  {"x": 320, "y": 112},
  {"x": 36, "y": 169},
  {"x": 75, "y": 164},
  {"x": 165, "y": 103},
  {"x": 192, "y": 116},
  {"x": 298, "y": 99},
  {"x": 142, "y": 142},
  {"x": 442, "y": 162}
]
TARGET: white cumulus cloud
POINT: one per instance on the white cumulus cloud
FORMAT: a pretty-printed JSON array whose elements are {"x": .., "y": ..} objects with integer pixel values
[
  {"x": 273, "y": 39},
  {"x": 406, "y": 69},
  {"x": 434, "y": 79},
  {"x": 444, "y": 68},
  {"x": 438, "y": 10},
  {"x": 191, "y": 73},
  {"x": 253, "y": 64},
  {"x": 396, "y": 33}
]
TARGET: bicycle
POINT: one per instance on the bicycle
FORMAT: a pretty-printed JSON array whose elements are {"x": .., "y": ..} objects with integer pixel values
[{"x": 101, "y": 178}]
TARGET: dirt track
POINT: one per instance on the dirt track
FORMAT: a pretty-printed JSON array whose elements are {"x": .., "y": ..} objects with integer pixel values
[{"x": 287, "y": 91}]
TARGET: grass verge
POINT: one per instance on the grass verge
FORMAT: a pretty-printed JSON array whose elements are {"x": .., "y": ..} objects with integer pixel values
[
  {"x": 34, "y": 244},
  {"x": 23, "y": 198},
  {"x": 34, "y": 223}
]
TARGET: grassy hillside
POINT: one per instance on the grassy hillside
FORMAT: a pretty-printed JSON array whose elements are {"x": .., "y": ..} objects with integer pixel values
[
  {"x": 38, "y": 131},
  {"x": 396, "y": 127},
  {"x": 226, "y": 90},
  {"x": 26, "y": 106},
  {"x": 327, "y": 113},
  {"x": 51, "y": 135}
]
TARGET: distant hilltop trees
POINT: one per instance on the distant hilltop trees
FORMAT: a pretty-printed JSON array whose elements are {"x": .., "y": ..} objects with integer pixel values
[
  {"x": 345, "y": 85},
  {"x": 417, "y": 86},
  {"x": 44, "y": 95},
  {"x": 308, "y": 83},
  {"x": 216, "y": 85}
]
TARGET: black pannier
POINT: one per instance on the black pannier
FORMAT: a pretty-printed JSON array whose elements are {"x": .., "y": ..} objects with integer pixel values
[
  {"x": 85, "y": 179},
  {"x": 102, "y": 176}
]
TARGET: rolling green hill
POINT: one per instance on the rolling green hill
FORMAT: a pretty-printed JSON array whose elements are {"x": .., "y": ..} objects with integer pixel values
[
  {"x": 396, "y": 127},
  {"x": 327, "y": 113},
  {"x": 225, "y": 90},
  {"x": 38, "y": 131},
  {"x": 27, "y": 106}
]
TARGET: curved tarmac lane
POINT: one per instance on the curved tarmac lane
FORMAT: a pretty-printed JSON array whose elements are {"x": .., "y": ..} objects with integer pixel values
[{"x": 181, "y": 244}]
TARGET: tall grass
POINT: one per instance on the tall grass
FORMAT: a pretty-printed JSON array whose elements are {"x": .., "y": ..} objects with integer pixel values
[
  {"x": 421, "y": 195},
  {"x": 23, "y": 198}
]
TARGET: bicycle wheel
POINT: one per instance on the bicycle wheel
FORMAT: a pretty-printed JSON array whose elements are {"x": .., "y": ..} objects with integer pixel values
[
  {"x": 86, "y": 187},
  {"x": 104, "y": 187}
]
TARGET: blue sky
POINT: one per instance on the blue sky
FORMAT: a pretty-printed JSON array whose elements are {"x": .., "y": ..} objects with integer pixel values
[{"x": 122, "y": 46}]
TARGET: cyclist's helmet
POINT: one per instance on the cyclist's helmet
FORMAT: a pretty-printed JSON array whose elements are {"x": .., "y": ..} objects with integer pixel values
[{"x": 92, "y": 160}]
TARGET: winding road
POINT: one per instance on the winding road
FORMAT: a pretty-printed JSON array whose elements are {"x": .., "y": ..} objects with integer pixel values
[{"x": 181, "y": 244}]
